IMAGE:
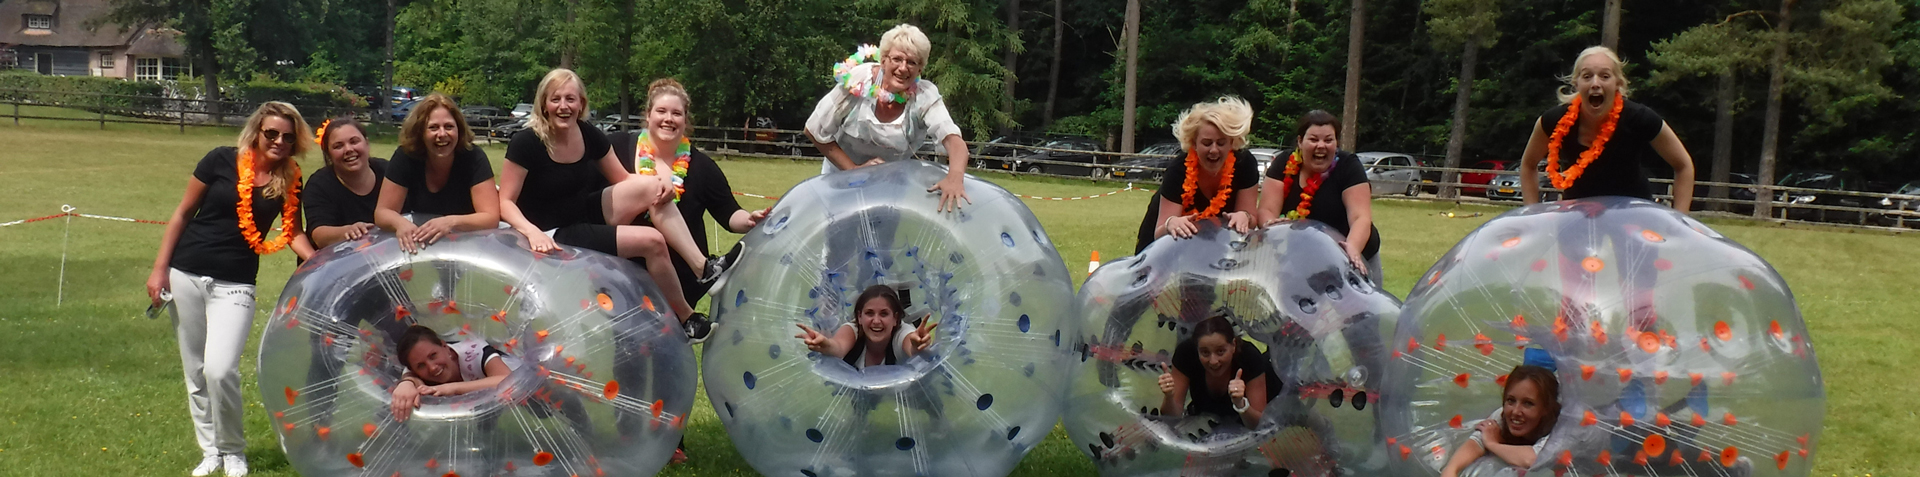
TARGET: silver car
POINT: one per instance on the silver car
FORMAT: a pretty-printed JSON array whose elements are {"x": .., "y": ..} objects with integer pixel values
[
  {"x": 1388, "y": 171},
  {"x": 1506, "y": 185},
  {"x": 1264, "y": 157}
]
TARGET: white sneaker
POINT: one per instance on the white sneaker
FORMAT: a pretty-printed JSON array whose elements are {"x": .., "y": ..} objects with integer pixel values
[
  {"x": 236, "y": 465},
  {"x": 207, "y": 465}
]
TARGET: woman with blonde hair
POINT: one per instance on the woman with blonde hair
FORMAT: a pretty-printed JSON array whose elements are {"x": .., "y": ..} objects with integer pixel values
[
  {"x": 562, "y": 185},
  {"x": 1595, "y": 139},
  {"x": 1216, "y": 177},
  {"x": 209, "y": 260},
  {"x": 881, "y": 110},
  {"x": 437, "y": 175},
  {"x": 1322, "y": 183}
]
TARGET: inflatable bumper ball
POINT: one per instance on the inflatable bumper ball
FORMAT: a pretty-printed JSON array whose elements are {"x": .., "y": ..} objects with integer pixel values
[
  {"x": 1318, "y": 322},
  {"x": 1677, "y": 351},
  {"x": 602, "y": 377},
  {"x": 988, "y": 388}
]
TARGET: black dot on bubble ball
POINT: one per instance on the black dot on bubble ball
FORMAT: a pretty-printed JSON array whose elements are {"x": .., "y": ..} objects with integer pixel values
[
  {"x": 1107, "y": 439},
  {"x": 815, "y": 435},
  {"x": 773, "y": 351},
  {"x": 808, "y": 473},
  {"x": 747, "y": 377},
  {"x": 1015, "y": 431},
  {"x": 1093, "y": 449},
  {"x": 1014, "y": 298},
  {"x": 1279, "y": 473},
  {"x": 1337, "y": 396},
  {"x": 985, "y": 401},
  {"x": 1359, "y": 400},
  {"x": 729, "y": 408},
  {"x": 905, "y": 443}
]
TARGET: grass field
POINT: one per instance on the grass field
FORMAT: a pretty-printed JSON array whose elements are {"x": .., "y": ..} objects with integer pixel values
[{"x": 91, "y": 387}]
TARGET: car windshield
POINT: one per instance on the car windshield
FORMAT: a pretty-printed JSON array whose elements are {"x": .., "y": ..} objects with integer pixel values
[
  {"x": 1808, "y": 180},
  {"x": 1066, "y": 144},
  {"x": 1912, "y": 188}
]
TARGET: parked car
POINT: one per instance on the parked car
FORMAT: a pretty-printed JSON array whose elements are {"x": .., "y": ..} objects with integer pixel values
[
  {"x": 1829, "y": 180},
  {"x": 1161, "y": 155},
  {"x": 522, "y": 110},
  {"x": 1387, "y": 166},
  {"x": 401, "y": 94},
  {"x": 507, "y": 128},
  {"x": 614, "y": 123},
  {"x": 1263, "y": 157},
  {"x": 1506, "y": 186},
  {"x": 1482, "y": 178},
  {"x": 481, "y": 117},
  {"x": 997, "y": 154},
  {"x": 400, "y": 111},
  {"x": 1901, "y": 211},
  {"x": 1072, "y": 150}
]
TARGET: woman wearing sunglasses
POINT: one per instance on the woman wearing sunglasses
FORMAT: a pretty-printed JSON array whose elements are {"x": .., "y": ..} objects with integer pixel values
[{"x": 209, "y": 258}]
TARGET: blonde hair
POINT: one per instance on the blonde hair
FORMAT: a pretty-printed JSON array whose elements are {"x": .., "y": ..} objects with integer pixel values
[
  {"x": 539, "y": 121},
  {"x": 288, "y": 172},
  {"x": 413, "y": 131},
  {"x": 1231, "y": 115},
  {"x": 1566, "y": 91},
  {"x": 908, "y": 37},
  {"x": 668, "y": 86}
]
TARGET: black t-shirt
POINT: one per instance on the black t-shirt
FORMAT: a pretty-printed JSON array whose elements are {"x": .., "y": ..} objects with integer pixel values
[
  {"x": 211, "y": 244},
  {"x": 708, "y": 192},
  {"x": 555, "y": 195},
  {"x": 1246, "y": 175},
  {"x": 1247, "y": 360},
  {"x": 329, "y": 203},
  {"x": 470, "y": 168},
  {"x": 1618, "y": 169},
  {"x": 1328, "y": 207}
]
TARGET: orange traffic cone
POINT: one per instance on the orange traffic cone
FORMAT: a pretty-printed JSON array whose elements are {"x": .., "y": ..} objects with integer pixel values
[{"x": 1095, "y": 263}]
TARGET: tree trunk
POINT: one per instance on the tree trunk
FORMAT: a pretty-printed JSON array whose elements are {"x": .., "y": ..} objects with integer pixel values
[
  {"x": 1770, "y": 137},
  {"x": 1133, "y": 58},
  {"x": 1012, "y": 62},
  {"x": 626, "y": 70},
  {"x": 1053, "y": 73},
  {"x": 568, "y": 44},
  {"x": 386, "y": 85},
  {"x": 1722, "y": 139},
  {"x": 1350, "y": 109},
  {"x": 1610, "y": 27},
  {"x": 1457, "y": 140}
]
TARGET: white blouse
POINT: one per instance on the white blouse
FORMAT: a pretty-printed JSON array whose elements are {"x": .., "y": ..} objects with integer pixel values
[{"x": 848, "y": 120}]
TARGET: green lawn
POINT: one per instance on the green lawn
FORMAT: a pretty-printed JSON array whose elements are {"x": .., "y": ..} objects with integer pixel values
[{"x": 92, "y": 387}]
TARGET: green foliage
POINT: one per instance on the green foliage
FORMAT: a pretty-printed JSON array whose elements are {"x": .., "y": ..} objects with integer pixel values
[
  {"x": 1456, "y": 22},
  {"x": 303, "y": 94},
  {"x": 92, "y": 93}
]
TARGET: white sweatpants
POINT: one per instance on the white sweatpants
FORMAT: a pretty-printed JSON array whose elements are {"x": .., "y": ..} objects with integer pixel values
[{"x": 212, "y": 318}]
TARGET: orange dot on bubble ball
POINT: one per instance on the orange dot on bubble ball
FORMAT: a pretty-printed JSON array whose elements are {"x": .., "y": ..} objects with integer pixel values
[
  {"x": 611, "y": 391},
  {"x": 1652, "y": 236},
  {"x": 1626, "y": 420},
  {"x": 368, "y": 429},
  {"x": 1649, "y": 342},
  {"x": 1586, "y": 372},
  {"x": 1728, "y": 456},
  {"x": 606, "y": 302},
  {"x": 1592, "y": 264},
  {"x": 542, "y": 458},
  {"x": 1461, "y": 379},
  {"x": 1510, "y": 243},
  {"x": 1662, "y": 420},
  {"x": 1589, "y": 419},
  {"x": 356, "y": 460},
  {"x": 1654, "y": 445},
  {"x": 1780, "y": 461},
  {"x": 1455, "y": 422},
  {"x": 1659, "y": 377}
]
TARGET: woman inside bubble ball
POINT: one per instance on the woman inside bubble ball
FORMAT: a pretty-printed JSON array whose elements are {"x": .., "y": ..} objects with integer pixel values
[
  {"x": 442, "y": 368},
  {"x": 1212, "y": 366},
  {"x": 881, "y": 110},
  {"x": 1321, "y": 182},
  {"x": 1516, "y": 433},
  {"x": 1217, "y": 175},
  {"x": 875, "y": 337}
]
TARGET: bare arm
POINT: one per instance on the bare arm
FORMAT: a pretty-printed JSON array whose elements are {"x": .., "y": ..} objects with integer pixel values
[
  {"x": 1256, "y": 402},
  {"x": 1530, "y": 161},
  {"x": 486, "y": 208},
  {"x": 952, "y": 188},
  {"x": 609, "y": 166},
  {"x": 496, "y": 370},
  {"x": 743, "y": 220},
  {"x": 1359, "y": 201},
  {"x": 1175, "y": 400},
  {"x": 386, "y": 213},
  {"x": 301, "y": 245},
  {"x": 1168, "y": 211},
  {"x": 1462, "y": 457},
  {"x": 157, "y": 281},
  {"x": 1520, "y": 456},
  {"x": 1273, "y": 194},
  {"x": 833, "y": 152},
  {"x": 512, "y": 178},
  {"x": 1669, "y": 147}
]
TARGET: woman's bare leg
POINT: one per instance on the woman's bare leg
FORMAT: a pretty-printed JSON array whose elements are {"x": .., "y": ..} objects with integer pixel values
[
  {"x": 645, "y": 242},
  {"x": 666, "y": 217}
]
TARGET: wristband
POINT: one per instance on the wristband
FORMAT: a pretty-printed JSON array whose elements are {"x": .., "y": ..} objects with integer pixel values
[{"x": 1242, "y": 405}]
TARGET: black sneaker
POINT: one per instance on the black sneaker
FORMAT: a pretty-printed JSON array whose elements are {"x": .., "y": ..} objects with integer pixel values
[
  {"x": 698, "y": 328},
  {"x": 718, "y": 266}
]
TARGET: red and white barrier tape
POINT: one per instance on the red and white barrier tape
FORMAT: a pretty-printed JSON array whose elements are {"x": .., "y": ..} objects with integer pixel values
[{"x": 68, "y": 211}]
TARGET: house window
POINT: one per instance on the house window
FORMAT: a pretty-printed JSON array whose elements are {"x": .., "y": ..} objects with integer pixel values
[
  {"x": 155, "y": 69},
  {"x": 106, "y": 59},
  {"x": 40, "y": 22}
]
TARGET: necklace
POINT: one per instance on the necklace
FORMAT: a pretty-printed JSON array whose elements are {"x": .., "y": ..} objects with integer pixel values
[
  {"x": 289, "y": 207},
  {"x": 1191, "y": 187},
  {"x": 1564, "y": 180},
  {"x": 866, "y": 87},
  {"x": 645, "y": 165},
  {"x": 1312, "y": 187}
]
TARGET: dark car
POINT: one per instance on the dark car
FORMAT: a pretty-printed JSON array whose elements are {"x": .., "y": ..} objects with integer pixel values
[
  {"x": 1073, "y": 151},
  {"x": 522, "y": 110},
  {"x": 507, "y": 128},
  {"x": 1161, "y": 155},
  {"x": 1000, "y": 152},
  {"x": 1506, "y": 186},
  {"x": 400, "y": 111},
  {"x": 614, "y": 123},
  {"x": 1901, "y": 211},
  {"x": 481, "y": 117},
  {"x": 401, "y": 95},
  {"x": 1828, "y": 180}
]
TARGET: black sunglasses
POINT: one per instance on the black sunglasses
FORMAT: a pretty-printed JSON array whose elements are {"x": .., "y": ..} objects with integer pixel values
[{"x": 274, "y": 135}]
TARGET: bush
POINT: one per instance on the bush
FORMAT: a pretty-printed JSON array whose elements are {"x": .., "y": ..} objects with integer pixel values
[
  {"x": 91, "y": 93},
  {"x": 322, "y": 98}
]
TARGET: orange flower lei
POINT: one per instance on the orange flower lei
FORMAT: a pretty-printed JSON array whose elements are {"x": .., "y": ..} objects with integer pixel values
[
  {"x": 1312, "y": 187},
  {"x": 1563, "y": 180},
  {"x": 288, "y": 208},
  {"x": 320, "y": 134},
  {"x": 1191, "y": 187}
]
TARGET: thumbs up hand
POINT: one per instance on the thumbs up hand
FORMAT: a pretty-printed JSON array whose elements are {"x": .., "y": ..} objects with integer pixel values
[
  {"x": 1166, "y": 378},
  {"x": 1237, "y": 388}
]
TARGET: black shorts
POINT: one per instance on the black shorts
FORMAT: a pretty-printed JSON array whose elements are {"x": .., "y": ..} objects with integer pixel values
[{"x": 601, "y": 238}]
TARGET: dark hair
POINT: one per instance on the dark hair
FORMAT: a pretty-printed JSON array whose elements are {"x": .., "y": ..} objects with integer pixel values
[
  {"x": 1313, "y": 118},
  {"x": 885, "y": 293},
  {"x": 1218, "y": 324},
  {"x": 1549, "y": 396},
  {"x": 413, "y": 131},
  {"x": 415, "y": 335},
  {"x": 326, "y": 134}
]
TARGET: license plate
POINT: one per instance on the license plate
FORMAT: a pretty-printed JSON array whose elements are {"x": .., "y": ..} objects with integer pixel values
[{"x": 1506, "y": 191}]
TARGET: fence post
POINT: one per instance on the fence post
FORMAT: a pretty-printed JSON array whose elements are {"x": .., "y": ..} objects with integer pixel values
[
  {"x": 16, "y": 114},
  {"x": 101, "y": 103}
]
